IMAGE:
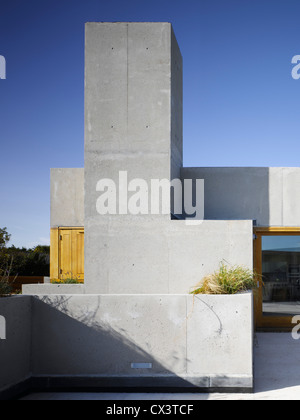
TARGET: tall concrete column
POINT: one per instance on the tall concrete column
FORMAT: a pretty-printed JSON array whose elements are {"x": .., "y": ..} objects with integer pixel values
[{"x": 133, "y": 124}]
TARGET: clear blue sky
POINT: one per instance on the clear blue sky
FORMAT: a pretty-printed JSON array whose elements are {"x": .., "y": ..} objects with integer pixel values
[{"x": 241, "y": 105}]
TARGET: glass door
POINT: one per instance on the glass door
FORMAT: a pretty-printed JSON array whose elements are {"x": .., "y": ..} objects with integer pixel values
[{"x": 277, "y": 259}]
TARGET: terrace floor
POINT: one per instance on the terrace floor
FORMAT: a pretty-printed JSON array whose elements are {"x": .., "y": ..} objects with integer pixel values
[{"x": 276, "y": 367}]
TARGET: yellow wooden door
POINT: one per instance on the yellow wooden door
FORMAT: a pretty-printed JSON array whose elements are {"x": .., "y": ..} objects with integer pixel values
[{"x": 67, "y": 253}]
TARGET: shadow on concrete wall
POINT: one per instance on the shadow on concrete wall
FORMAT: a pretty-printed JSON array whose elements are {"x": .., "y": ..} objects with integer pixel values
[
  {"x": 75, "y": 349},
  {"x": 74, "y": 345}
]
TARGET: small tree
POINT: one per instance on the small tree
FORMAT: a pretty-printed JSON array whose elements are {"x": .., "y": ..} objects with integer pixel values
[
  {"x": 5, "y": 264},
  {"x": 4, "y": 237}
]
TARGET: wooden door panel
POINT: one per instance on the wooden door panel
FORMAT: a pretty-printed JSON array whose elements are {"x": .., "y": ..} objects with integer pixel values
[
  {"x": 65, "y": 253},
  {"x": 78, "y": 253}
]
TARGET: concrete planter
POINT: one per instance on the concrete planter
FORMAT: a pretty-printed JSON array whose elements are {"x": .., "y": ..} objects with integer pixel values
[{"x": 156, "y": 342}]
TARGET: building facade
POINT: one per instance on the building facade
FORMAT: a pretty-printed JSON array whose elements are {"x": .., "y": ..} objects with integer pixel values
[
  {"x": 133, "y": 125},
  {"x": 139, "y": 230}
]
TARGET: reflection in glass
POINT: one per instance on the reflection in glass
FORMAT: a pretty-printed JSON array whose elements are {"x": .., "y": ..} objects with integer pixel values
[{"x": 281, "y": 275}]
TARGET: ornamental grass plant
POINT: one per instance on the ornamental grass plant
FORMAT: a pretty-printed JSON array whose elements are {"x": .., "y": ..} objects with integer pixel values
[{"x": 227, "y": 281}]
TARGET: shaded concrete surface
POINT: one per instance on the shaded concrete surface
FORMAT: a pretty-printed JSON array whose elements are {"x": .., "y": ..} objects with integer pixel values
[{"x": 277, "y": 377}]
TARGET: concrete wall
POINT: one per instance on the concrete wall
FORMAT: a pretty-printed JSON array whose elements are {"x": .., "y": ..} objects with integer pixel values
[
  {"x": 128, "y": 73},
  {"x": 140, "y": 257},
  {"x": 267, "y": 195},
  {"x": 128, "y": 97},
  {"x": 190, "y": 342},
  {"x": 95, "y": 340},
  {"x": 131, "y": 101},
  {"x": 67, "y": 197},
  {"x": 15, "y": 350}
]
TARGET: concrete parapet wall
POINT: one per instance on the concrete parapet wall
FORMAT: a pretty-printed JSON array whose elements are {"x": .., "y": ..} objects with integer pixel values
[
  {"x": 171, "y": 341},
  {"x": 15, "y": 349}
]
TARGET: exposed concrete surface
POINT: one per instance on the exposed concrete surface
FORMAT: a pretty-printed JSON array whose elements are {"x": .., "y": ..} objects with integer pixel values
[
  {"x": 67, "y": 197},
  {"x": 277, "y": 377},
  {"x": 52, "y": 289},
  {"x": 267, "y": 195},
  {"x": 188, "y": 341},
  {"x": 132, "y": 78},
  {"x": 144, "y": 256}
]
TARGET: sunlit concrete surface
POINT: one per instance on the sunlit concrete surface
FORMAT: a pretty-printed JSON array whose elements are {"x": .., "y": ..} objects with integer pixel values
[{"x": 277, "y": 376}]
